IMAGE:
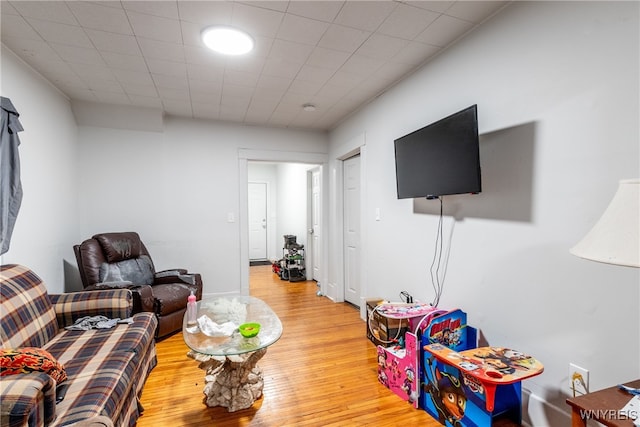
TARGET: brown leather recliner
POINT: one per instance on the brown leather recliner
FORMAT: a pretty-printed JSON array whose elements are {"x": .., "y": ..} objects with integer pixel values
[{"x": 116, "y": 260}]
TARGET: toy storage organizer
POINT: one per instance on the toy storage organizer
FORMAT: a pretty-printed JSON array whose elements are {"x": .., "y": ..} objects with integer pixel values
[
  {"x": 441, "y": 370},
  {"x": 292, "y": 264},
  {"x": 393, "y": 328}
]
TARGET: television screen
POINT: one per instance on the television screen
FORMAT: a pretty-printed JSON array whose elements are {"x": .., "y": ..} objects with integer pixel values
[{"x": 440, "y": 159}]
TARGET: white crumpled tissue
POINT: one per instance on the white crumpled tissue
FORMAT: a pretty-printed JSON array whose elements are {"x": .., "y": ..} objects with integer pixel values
[{"x": 213, "y": 329}]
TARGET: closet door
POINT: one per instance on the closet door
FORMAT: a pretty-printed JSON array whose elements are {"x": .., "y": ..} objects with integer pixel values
[
  {"x": 351, "y": 238},
  {"x": 257, "y": 221}
]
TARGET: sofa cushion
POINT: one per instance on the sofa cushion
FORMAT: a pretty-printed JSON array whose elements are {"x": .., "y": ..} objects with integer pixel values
[
  {"x": 137, "y": 270},
  {"x": 106, "y": 368},
  {"x": 136, "y": 338},
  {"x": 28, "y": 318},
  {"x": 98, "y": 385},
  {"x": 119, "y": 246},
  {"x": 31, "y": 359}
]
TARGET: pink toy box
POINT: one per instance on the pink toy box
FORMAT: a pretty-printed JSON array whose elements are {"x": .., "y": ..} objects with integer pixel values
[{"x": 399, "y": 358}]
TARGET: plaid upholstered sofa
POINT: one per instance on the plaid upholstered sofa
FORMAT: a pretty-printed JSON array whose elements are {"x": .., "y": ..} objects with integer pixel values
[{"x": 105, "y": 368}]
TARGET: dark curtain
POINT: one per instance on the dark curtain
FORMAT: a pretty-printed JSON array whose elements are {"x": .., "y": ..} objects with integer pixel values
[{"x": 10, "y": 186}]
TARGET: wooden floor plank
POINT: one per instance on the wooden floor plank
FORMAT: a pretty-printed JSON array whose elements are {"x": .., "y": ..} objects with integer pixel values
[{"x": 322, "y": 371}]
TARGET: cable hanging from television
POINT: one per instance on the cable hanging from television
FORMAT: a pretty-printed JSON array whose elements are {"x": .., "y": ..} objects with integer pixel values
[{"x": 438, "y": 265}]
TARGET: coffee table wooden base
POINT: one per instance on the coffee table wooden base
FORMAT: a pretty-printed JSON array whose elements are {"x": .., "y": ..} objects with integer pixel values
[{"x": 234, "y": 382}]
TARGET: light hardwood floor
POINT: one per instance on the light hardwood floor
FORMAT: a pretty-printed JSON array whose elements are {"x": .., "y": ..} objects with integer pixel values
[{"x": 322, "y": 371}]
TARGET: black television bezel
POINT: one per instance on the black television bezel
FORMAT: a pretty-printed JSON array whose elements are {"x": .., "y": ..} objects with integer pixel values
[{"x": 419, "y": 137}]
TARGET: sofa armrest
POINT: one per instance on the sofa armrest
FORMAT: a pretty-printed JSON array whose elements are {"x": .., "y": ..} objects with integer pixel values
[
  {"x": 125, "y": 284},
  {"x": 174, "y": 276},
  {"x": 142, "y": 294},
  {"x": 112, "y": 303},
  {"x": 27, "y": 399},
  {"x": 171, "y": 272}
]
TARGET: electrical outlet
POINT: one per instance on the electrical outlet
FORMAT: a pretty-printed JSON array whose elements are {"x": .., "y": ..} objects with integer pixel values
[{"x": 578, "y": 379}]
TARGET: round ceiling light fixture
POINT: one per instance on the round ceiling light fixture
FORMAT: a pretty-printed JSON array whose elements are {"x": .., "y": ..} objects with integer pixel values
[
  {"x": 227, "y": 40},
  {"x": 309, "y": 107}
]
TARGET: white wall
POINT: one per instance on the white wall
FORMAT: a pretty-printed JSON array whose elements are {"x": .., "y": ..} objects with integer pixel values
[
  {"x": 177, "y": 188},
  {"x": 571, "y": 70},
  {"x": 46, "y": 229},
  {"x": 292, "y": 202}
]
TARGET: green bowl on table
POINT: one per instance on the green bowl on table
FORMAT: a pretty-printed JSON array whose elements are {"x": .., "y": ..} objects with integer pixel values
[{"x": 249, "y": 330}]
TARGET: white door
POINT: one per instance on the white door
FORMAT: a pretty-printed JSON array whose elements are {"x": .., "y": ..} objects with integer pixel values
[
  {"x": 257, "y": 205},
  {"x": 351, "y": 192},
  {"x": 314, "y": 229}
]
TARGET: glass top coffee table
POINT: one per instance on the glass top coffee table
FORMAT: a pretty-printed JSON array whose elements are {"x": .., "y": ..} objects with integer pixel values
[{"x": 233, "y": 379}]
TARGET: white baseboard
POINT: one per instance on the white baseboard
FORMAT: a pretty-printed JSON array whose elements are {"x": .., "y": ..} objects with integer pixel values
[{"x": 537, "y": 412}]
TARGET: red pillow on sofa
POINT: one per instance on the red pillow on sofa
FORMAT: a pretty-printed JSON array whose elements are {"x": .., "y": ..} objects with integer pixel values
[{"x": 30, "y": 359}]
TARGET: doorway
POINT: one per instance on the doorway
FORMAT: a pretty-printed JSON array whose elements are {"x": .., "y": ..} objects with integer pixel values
[{"x": 281, "y": 197}]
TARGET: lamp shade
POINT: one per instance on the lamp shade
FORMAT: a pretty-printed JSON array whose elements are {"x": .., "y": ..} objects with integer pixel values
[{"x": 615, "y": 239}]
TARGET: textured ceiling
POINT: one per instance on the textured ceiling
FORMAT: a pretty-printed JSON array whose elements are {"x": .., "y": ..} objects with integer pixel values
[{"x": 337, "y": 55}]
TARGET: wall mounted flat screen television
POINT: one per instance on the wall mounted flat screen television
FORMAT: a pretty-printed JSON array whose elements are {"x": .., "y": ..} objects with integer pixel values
[{"x": 441, "y": 158}]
